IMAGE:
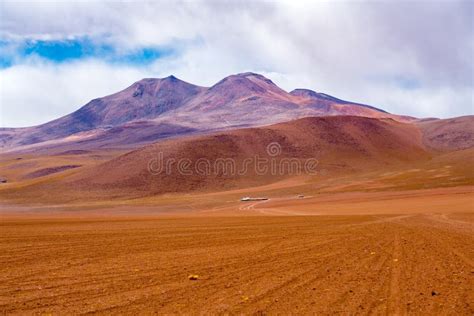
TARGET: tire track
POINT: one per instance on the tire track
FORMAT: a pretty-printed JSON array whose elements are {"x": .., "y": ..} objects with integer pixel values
[{"x": 394, "y": 302}]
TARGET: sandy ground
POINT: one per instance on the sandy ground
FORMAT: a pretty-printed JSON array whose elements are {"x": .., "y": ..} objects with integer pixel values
[
  {"x": 374, "y": 247},
  {"x": 386, "y": 226},
  {"x": 383, "y": 264}
]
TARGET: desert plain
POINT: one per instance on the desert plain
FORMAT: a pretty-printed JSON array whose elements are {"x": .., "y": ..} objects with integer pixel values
[
  {"x": 383, "y": 222},
  {"x": 381, "y": 252}
]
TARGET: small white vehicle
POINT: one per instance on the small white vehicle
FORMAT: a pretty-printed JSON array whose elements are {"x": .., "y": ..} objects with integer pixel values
[{"x": 248, "y": 198}]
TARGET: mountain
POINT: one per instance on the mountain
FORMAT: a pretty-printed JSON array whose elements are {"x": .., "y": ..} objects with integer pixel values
[
  {"x": 356, "y": 152},
  {"x": 334, "y": 106},
  {"x": 167, "y": 105},
  {"x": 143, "y": 100},
  {"x": 339, "y": 145},
  {"x": 448, "y": 134}
]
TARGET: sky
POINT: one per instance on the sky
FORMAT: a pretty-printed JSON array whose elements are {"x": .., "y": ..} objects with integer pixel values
[{"x": 406, "y": 57}]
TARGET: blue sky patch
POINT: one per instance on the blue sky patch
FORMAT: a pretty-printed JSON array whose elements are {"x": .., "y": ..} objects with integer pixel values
[
  {"x": 407, "y": 83},
  {"x": 402, "y": 81},
  {"x": 59, "y": 51},
  {"x": 141, "y": 56}
]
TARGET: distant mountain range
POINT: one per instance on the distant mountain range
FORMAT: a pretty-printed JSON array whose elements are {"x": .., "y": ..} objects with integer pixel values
[
  {"x": 103, "y": 150},
  {"x": 384, "y": 152},
  {"x": 153, "y": 109}
]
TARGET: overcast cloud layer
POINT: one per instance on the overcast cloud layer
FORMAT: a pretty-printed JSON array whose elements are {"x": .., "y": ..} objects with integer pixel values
[{"x": 413, "y": 58}]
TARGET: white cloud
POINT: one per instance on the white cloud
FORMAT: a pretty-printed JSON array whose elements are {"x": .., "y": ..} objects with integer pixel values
[
  {"x": 352, "y": 50},
  {"x": 38, "y": 92}
]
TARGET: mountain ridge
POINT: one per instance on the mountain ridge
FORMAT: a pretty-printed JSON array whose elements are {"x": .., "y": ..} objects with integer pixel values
[
  {"x": 340, "y": 144},
  {"x": 246, "y": 99}
]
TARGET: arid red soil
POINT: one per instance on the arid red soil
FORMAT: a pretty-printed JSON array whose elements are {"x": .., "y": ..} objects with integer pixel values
[
  {"x": 384, "y": 264},
  {"x": 48, "y": 171},
  {"x": 448, "y": 134},
  {"x": 339, "y": 144},
  {"x": 385, "y": 227}
]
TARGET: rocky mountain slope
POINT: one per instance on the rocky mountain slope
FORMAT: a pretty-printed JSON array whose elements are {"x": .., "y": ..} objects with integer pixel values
[{"x": 160, "y": 108}]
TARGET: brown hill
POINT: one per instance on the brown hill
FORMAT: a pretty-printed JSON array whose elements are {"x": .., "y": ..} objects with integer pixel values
[
  {"x": 347, "y": 152},
  {"x": 448, "y": 134},
  {"x": 340, "y": 144}
]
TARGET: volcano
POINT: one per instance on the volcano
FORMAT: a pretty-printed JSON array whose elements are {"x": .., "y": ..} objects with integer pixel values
[{"x": 153, "y": 109}]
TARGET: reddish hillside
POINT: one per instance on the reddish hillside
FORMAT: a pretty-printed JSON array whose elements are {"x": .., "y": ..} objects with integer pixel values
[
  {"x": 165, "y": 105},
  {"x": 448, "y": 134},
  {"x": 340, "y": 144},
  {"x": 143, "y": 100}
]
